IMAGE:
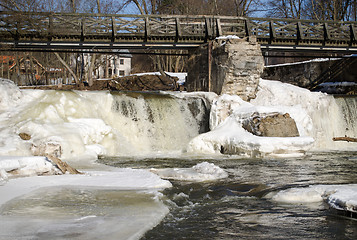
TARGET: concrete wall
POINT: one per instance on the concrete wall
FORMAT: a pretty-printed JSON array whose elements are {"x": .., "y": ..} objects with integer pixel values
[{"x": 235, "y": 67}]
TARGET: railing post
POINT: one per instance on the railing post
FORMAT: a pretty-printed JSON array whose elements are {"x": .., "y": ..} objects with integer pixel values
[
  {"x": 300, "y": 32},
  {"x": 83, "y": 29},
  {"x": 208, "y": 28},
  {"x": 219, "y": 27},
  {"x": 178, "y": 29},
  {"x": 147, "y": 29},
  {"x": 353, "y": 34},
  {"x": 272, "y": 33},
  {"x": 327, "y": 35},
  {"x": 50, "y": 27},
  {"x": 248, "y": 28},
  {"x": 114, "y": 29}
]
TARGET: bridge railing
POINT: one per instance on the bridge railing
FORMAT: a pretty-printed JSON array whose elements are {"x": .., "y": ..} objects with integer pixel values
[{"x": 21, "y": 26}]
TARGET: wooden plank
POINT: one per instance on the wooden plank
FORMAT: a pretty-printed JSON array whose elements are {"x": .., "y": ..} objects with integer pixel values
[
  {"x": 347, "y": 139},
  {"x": 63, "y": 166}
]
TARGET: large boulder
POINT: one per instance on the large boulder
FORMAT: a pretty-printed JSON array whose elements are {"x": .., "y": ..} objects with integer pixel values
[{"x": 277, "y": 125}]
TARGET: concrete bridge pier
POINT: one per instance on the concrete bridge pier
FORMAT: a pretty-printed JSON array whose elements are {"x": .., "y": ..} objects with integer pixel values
[{"x": 226, "y": 66}]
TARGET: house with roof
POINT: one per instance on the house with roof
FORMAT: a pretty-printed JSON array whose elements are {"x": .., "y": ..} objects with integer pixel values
[{"x": 117, "y": 64}]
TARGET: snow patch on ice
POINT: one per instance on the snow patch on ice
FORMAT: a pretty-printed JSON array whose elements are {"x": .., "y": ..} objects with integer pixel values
[
  {"x": 340, "y": 197},
  {"x": 201, "y": 172}
]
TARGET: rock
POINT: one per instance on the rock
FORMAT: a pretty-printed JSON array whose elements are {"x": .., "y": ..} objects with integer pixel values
[
  {"x": 47, "y": 148},
  {"x": 277, "y": 125},
  {"x": 25, "y": 136}
]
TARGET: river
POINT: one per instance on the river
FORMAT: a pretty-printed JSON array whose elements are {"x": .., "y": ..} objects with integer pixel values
[{"x": 237, "y": 207}]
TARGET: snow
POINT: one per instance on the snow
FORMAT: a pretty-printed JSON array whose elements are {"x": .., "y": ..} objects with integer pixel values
[
  {"x": 228, "y": 135},
  {"x": 340, "y": 197},
  {"x": 304, "y": 62},
  {"x": 227, "y": 37},
  {"x": 201, "y": 172}
]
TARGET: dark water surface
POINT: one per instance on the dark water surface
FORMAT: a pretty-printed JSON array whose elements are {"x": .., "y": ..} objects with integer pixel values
[{"x": 237, "y": 207}]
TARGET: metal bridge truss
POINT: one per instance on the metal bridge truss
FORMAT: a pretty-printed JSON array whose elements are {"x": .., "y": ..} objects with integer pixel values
[{"x": 23, "y": 30}]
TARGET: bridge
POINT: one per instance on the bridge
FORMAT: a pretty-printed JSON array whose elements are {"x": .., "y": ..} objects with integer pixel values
[{"x": 21, "y": 31}]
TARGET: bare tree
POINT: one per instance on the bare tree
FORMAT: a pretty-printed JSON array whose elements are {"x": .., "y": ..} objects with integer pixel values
[{"x": 330, "y": 10}]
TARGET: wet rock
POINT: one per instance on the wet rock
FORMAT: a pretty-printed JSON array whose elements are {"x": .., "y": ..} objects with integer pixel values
[
  {"x": 277, "y": 125},
  {"x": 25, "y": 136}
]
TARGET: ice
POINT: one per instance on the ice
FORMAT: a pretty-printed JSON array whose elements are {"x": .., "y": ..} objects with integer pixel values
[
  {"x": 12, "y": 166},
  {"x": 340, "y": 197},
  {"x": 31, "y": 208},
  {"x": 80, "y": 213},
  {"x": 201, "y": 172},
  {"x": 120, "y": 179},
  {"x": 10, "y": 94},
  {"x": 228, "y": 136}
]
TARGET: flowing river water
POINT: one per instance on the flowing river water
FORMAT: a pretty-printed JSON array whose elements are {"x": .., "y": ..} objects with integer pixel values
[{"x": 238, "y": 207}]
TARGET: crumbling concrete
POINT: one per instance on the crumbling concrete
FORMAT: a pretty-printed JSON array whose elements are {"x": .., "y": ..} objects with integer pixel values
[{"x": 226, "y": 66}]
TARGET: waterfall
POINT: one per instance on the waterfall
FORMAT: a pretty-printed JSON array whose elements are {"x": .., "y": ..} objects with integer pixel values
[
  {"x": 348, "y": 109},
  {"x": 78, "y": 123},
  {"x": 156, "y": 122}
]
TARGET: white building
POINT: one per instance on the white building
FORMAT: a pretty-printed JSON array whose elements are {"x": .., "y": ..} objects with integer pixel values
[{"x": 117, "y": 64}]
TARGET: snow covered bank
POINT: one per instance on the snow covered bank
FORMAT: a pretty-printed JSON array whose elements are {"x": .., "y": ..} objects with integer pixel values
[
  {"x": 201, "y": 172},
  {"x": 340, "y": 197}
]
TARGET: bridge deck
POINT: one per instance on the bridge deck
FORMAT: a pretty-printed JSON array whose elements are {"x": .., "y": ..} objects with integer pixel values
[{"x": 61, "y": 30}]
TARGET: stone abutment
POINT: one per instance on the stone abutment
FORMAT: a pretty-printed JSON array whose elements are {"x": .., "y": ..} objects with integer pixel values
[{"x": 226, "y": 66}]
